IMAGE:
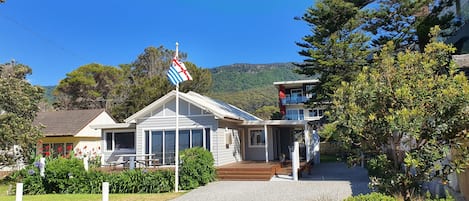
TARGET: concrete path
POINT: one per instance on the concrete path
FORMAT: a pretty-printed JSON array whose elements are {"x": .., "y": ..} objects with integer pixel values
[{"x": 328, "y": 182}]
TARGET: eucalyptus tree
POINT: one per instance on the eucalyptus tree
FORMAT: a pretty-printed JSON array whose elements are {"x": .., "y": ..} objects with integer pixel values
[{"x": 87, "y": 87}]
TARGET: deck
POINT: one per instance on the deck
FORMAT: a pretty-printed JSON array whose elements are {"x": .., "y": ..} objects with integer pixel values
[{"x": 255, "y": 170}]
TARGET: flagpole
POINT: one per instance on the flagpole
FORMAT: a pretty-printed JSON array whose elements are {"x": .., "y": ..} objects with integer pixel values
[{"x": 176, "y": 157}]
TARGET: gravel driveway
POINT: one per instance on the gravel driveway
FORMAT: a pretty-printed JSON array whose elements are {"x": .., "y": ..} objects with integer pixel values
[{"x": 328, "y": 182}]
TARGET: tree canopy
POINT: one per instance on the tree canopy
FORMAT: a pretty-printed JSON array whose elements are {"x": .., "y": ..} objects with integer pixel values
[
  {"x": 345, "y": 33},
  {"x": 145, "y": 81},
  {"x": 88, "y": 87},
  {"x": 128, "y": 88},
  {"x": 334, "y": 50},
  {"x": 409, "y": 112},
  {"x": 18, "y": 106}
]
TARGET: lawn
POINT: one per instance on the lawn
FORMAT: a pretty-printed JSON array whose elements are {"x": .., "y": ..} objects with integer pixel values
[{"x": 89, "y": 197}]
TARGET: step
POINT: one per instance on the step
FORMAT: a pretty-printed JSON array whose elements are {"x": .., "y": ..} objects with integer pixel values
[
  {"x": 244, "y": 173},
  {"x": 246, "y": 169},
  {"x": 245, "y": 177}
]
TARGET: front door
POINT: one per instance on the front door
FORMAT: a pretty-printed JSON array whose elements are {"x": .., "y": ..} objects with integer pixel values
[{"x": 285, "y": 141}]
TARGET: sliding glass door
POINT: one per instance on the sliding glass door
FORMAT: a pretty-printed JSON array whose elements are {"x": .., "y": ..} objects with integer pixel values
[{"x": 161, "y": 143}]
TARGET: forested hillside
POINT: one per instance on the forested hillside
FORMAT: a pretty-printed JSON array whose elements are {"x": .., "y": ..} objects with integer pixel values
[
  {"x": 48, "y": 93},
  {"x": 238, "y": 77},
  {"x": 250, "y": 86}
]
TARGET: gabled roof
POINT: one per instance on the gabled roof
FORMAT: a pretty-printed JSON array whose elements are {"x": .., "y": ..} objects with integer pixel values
[
  {"x": 218, "y": 108},
  {"x": 67, "y": 122}
]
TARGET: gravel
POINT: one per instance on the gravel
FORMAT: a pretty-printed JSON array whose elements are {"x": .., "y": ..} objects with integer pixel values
[{"x": 328, "y": 181}]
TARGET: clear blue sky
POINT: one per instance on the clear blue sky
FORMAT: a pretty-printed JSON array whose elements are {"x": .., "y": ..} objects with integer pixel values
[{"x": 54, "y": 37}]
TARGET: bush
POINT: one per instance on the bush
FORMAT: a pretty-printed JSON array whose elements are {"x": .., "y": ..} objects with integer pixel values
[
  {"x": 69, "y": 176},
  {"x": 371, "y": 197},
  {"x": 30, "y": 177},
  {"x": 197, "y": 168},
  {"x": 141, "y": 181},
  {"x": 65, "y": 176}
]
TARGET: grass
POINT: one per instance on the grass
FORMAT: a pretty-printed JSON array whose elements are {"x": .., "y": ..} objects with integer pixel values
[{"x": 89, "y": 197}]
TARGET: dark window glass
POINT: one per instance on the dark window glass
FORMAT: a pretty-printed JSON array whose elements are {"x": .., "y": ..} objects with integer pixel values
[
  {"x": 109, "y": 141},
  {"x": 169, "y": 146},
  {"x": 147, "y": 142},
  {"x": 157, "y": 144},
  {"x": 257, "y": 137},
  {"x": 184, "y": 139},
  {"x": 207, "y": 138},
  {"x": 124, "y": 141},
  {"x": 197, "y": 138}
]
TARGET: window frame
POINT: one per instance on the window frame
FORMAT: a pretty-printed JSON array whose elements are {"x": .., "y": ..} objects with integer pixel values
[
  {"x": 148, "y": 144},
  {"x": 54, "y": 153},
  {"x": 113, "y": 141},
  {"x": 258, "y": 145}
]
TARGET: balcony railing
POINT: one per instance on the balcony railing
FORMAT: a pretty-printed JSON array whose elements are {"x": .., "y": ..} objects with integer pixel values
[
  {"x": 294, "y": 117},
  {"x": 294, "y": 100}
]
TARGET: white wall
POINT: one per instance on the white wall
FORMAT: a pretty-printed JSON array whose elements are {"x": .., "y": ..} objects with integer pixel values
[
  {"x": 224, "y": 153},
  {"x": 102, "y": 118}
]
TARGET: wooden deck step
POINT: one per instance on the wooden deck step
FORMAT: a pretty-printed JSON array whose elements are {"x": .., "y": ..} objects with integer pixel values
[{"x": 246, "y": 173}]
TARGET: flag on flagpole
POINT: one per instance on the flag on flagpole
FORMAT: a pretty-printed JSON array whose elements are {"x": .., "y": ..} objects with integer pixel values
[{"x": 177, "y": 72}]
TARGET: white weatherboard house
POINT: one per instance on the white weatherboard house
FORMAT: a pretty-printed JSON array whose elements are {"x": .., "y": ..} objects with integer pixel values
[{"x": 229, "y": 133}]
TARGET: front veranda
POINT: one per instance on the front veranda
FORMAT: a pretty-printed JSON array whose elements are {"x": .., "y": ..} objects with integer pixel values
[{"x": 277, "y": 143}]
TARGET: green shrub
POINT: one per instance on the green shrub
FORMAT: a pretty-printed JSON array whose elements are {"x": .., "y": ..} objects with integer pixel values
[
  {"x": 64, "y": 175},
  {"x": 141, "y": 181},
  {"x": 33, "y": 183},
  {"x": 197, "y": 168},
  {"x": 371, "y": 197}
]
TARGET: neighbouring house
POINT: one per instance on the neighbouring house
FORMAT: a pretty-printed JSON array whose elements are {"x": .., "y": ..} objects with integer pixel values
[
  {"x": 70, "y": 130},
  {"x": 229, "y": 133},
  {"x": 293, "y": 96}
]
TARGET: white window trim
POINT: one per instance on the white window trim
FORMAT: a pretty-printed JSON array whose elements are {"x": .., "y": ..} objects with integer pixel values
[
  {"x": 297, "y": 90},
  {"x": 249, "y": 138},
  {"x": 113, "y": 143},
  {"x": 173, "y": 129}
]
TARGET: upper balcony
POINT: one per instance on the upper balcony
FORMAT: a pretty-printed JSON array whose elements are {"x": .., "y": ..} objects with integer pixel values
[{"x": 291, "y": 100}]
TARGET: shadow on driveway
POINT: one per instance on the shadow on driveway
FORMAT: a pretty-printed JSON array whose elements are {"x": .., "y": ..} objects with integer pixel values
[{"x": 339, "y": 171}]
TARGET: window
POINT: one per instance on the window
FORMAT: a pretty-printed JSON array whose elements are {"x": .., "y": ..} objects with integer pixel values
[
  {"x": 256, "y": 138},
  {"x": 124, "y": 141},
  {"x": 309, "y": 91},
  {"x": 109, "y": 141},
  {"x": 56, "y": 149},
  {"x": 161, "y": 143},
  {"x": 197, "y": 138},
  {"x": 296, "y": 95},
  {"x": 295, "y": 115},
  {"x": 116, "y": 141},
  {"x": 316, "y": 112}
]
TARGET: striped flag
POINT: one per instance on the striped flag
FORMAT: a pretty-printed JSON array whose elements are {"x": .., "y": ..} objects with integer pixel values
[{"x": 177, "y": 72}]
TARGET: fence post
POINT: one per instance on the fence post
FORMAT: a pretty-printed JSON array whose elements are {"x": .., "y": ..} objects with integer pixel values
[
  {"x": 105, "y": 191},
  {"x": 19, "y": 191},
  {"x": 42, "y": 166},
  {"x": 86, "y": 163},
  {"x": 295, "y": 161}
]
